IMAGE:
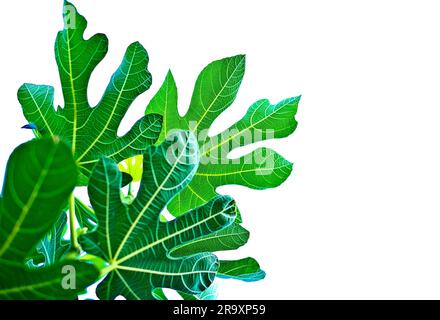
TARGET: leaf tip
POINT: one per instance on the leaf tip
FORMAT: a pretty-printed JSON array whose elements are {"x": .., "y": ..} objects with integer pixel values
[
  {"x": 137, "y": 45},
  {"x": 170, "y": 75},
  {"x": 241, "y": 58}
]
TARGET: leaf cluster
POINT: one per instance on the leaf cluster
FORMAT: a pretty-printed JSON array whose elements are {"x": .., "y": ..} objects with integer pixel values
[{"x": 121, "y": 234}]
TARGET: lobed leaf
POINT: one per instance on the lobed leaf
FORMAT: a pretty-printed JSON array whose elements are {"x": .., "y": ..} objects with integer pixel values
[
  {"x": 91, "y": 132},
  {"x": 215, "y": 90},
  {"x": 136, "y": 243}
]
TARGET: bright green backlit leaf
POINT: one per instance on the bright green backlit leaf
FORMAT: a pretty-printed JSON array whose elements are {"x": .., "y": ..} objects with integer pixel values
[{"x": 215, "y": 91}]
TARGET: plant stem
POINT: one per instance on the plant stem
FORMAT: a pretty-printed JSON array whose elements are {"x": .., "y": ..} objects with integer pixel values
[{"x": 73, "y": 237}]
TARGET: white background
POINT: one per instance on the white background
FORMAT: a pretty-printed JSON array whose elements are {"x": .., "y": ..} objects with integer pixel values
[{"x": 360, "y": 216}]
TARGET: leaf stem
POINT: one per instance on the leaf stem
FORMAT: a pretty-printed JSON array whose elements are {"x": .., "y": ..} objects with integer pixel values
[
  {"x": 73, "y": 236},
  {"x": 108, "y": 269}
]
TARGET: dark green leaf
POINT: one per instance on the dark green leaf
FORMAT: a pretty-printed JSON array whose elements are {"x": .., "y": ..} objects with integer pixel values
[
  {"x": 133, "y": 240},
  {"x": 40, "y": 176}
]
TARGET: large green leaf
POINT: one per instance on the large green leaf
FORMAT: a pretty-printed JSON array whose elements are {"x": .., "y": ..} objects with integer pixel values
[
  {"x": 133, "y": 240},
  {"x": 40, "y": 176},
  {"x": 49, "y": 283},
  {"x": 91, "y": 132},
  {"x": 215, "y": 90}
]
